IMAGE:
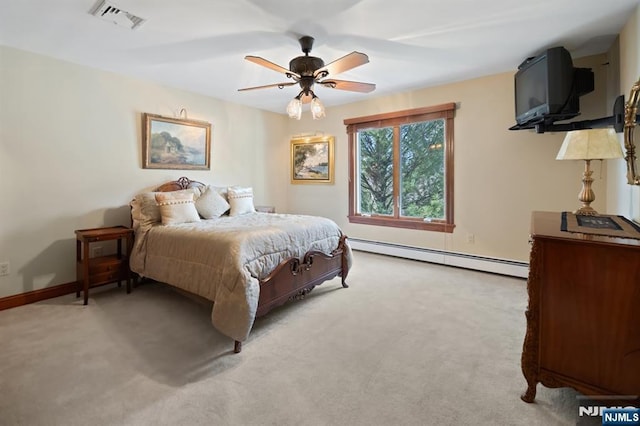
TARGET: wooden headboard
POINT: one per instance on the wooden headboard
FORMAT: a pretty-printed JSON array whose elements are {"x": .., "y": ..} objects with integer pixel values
[{"x": 176, "y": 185}]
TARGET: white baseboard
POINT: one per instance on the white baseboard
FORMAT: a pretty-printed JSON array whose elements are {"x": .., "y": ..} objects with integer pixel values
[{"x": 461, "y": 260}]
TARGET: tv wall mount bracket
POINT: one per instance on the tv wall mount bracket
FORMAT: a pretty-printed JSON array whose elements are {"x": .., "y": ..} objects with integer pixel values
[
  {"x": 549, "y": 123},
  {"x": 624, "y": 119}
]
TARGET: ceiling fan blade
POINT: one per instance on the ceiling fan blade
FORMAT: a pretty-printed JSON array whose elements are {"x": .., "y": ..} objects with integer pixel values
[
  {"x": 261, "y": 61},
  {"x": 278, "y": 85},
  {"x": 347, "y": 62},
  {"x": 352, "y": 86}
]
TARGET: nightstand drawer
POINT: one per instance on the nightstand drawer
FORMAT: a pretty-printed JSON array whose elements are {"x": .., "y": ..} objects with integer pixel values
[
  {"x": 106, "y": 277},
  {"x": 104, "y": 264}
]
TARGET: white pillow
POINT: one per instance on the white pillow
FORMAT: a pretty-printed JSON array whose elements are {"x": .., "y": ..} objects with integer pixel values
[
  {"x": 241, "y": 200},
  {"x": 211, "y": 204},
  {"x": 176, "y": 208},
  {"x": 222, "y": 190},
  {"x": 144, "y": 207}
]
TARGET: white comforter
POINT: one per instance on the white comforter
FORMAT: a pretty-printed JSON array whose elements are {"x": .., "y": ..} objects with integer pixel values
[{"x": 223, "y": 259}]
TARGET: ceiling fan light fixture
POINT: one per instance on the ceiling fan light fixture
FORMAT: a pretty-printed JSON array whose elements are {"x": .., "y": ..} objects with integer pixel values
[
  {"x": 294, "y": 109},
  {"x": 317, "y": 108},
  {"x": 308, "y": 70}
]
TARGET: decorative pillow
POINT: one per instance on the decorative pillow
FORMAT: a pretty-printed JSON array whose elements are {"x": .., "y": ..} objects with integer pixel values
[
  {"x": 145, "y": 210},
  {"x": 176, "y": 208},
  {"x": 222, "y": 190},
  {"x": 241, "y": 200},
  {"x": 211, "y": 204}
]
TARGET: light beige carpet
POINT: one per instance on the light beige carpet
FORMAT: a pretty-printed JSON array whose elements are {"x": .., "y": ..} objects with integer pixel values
[{"x": 409, "y": 343}]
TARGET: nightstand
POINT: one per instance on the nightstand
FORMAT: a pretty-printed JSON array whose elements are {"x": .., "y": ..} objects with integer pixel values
[
  {"x": 265, "y": 209},
  {"x": 99, "y": 270}
]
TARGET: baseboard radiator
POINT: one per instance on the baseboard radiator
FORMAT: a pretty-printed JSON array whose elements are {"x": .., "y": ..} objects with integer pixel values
[{"x": 460, "y": 260}]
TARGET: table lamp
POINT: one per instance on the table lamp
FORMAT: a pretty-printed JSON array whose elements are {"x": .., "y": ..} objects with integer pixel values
[{"x": 587, "y": 145}]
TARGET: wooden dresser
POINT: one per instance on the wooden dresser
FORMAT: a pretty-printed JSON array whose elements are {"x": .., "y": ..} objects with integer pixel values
[{"x": 583, "y": 318}]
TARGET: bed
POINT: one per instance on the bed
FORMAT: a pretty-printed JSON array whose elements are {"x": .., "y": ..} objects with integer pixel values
[{"x": 245, "y": 262}]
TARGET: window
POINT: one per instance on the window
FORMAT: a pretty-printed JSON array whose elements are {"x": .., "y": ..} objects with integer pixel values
[{"x": 401, "y": 169}]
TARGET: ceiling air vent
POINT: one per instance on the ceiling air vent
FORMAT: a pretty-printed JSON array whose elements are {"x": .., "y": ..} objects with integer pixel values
[{"x": 112, "y": 13}]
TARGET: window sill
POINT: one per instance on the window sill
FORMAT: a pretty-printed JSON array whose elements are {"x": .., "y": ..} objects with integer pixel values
[{"x": 436, "y": 226}]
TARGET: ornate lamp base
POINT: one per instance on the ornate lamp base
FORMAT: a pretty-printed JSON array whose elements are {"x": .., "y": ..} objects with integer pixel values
[
  {"x": 586, "y": 211},
  {"x": 586, "y": 195}
]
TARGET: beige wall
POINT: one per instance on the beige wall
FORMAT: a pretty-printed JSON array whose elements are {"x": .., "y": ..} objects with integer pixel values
[
  {"x": 70, "y": 158},
  {"x": 500, "y": 175},
  {"x": 625, "y": 199}
]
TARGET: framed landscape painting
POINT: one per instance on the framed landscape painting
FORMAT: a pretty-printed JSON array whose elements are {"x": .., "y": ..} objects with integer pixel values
[
  {"x": 175, "y": 143},
  {"x": 312, "y": 160}
]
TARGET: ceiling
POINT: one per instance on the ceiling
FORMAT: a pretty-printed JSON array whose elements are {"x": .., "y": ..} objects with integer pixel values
[{"x": 199, "y": 45}]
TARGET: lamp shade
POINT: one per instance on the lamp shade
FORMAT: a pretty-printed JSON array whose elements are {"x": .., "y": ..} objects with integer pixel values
[{"x": 591, "y": 144}]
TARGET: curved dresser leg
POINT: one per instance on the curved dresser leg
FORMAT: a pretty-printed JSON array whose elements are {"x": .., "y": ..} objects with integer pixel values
[
  {"x": 529, "y": 362},
  {"x": 530, "y": 394},
  {"x": 237, "y": 347}
]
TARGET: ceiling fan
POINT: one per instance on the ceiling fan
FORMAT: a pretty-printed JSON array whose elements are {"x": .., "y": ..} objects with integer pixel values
[{"x": 309, "y": 70}]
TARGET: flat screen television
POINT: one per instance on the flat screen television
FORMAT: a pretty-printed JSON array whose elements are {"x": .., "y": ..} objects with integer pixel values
[{"x": 546, "y": 88}]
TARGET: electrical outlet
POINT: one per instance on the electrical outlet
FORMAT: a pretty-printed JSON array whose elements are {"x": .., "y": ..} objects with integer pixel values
[
  {"x": 471, "y": 238},
  {"x": 4, "y": 268},
  {"x": 96, "y": 251}
]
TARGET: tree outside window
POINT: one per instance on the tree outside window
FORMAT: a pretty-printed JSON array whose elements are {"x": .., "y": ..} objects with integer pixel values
[{"x": 401, "y": 169}]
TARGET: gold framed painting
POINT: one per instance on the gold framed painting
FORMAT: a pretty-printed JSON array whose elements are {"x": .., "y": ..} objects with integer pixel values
[
  {"x": 175, "y": 143},
  {"x": 312, "y": 160}
]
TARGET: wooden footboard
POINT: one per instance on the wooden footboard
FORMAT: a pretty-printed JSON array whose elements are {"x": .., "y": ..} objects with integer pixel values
[{"x": 294, "y": 277}]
